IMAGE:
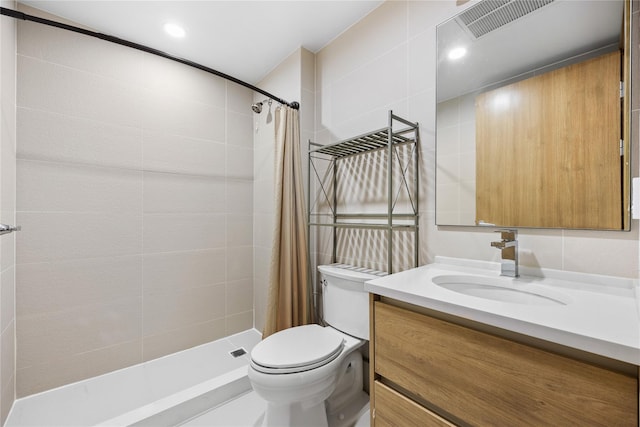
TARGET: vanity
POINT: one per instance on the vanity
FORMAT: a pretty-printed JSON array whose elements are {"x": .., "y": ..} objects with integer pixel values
[{"x": 454, "y": 343}]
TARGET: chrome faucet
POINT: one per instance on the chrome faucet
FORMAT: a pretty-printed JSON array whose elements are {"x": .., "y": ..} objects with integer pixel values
[{"x": 509, "y": 252}]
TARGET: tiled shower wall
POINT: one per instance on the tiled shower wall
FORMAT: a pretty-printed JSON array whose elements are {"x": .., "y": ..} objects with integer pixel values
[
  {"x": 387, "y": 61},
  {"x": 7, "y": 210},
  {"x": 134, "y": 178}
]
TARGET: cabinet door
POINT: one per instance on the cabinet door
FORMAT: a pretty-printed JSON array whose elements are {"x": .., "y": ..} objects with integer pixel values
[
  {"x": 394, "y": 409},
  {"x": 548, "y": 149},
  {"x": 479, "y": 379}
]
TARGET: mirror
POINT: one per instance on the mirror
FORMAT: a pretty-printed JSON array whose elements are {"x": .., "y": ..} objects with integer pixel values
[{"x": 531, "y": 127}]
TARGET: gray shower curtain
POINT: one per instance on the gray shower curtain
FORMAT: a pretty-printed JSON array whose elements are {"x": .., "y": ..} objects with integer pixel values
[{"x": 289, "y": 297}]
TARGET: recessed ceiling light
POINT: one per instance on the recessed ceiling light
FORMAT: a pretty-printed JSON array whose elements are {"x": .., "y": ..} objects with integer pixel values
[
  {"x": 174, "y": 30},
  {"x": 457, "y": 53}
]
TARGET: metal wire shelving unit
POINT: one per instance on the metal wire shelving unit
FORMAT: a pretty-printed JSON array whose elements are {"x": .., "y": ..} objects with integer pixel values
[{"x": 400, "y": 134}]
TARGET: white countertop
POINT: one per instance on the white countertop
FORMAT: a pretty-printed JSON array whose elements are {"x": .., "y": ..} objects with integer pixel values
[{"x": 601, "y": 315}]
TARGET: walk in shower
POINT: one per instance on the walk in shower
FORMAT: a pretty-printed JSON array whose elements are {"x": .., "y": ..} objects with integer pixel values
[{"x": 135, "y": 200}]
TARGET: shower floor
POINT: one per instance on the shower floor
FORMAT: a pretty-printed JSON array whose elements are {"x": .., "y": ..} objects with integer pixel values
[
  {"x": 163, "y": 392},
  {"x": 202, "y": 386}
]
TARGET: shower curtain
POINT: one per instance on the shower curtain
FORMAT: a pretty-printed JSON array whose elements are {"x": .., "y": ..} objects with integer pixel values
[{"x": 289, "y": 297}]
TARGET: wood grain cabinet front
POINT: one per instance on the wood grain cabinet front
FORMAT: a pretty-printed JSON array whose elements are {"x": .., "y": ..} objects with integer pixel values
[
  {"x": 394, "y": 409},
  {"x": 474, "y": 378}
]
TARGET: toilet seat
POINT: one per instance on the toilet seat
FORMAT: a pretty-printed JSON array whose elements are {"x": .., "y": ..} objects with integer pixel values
[{"x": 297, "y": 349}]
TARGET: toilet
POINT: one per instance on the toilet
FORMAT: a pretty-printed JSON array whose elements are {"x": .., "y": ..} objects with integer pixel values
[{"x": 313, "y": 375}]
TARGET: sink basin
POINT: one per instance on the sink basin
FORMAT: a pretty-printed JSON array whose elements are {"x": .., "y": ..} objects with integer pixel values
[{"x": 499, "y": 289}]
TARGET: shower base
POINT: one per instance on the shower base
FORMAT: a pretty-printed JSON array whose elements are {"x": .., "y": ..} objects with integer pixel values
[{"x": 168, "y": 391}]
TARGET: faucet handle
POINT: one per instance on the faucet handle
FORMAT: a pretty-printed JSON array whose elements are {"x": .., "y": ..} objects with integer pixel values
[{"x": 508, "y": 235}]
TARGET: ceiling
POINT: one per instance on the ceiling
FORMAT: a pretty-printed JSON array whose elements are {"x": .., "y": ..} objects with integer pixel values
[{"x": 245, "y": 39}]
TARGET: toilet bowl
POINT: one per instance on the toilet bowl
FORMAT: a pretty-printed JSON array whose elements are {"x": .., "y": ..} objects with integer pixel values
[{"x": 311, "y": 374}]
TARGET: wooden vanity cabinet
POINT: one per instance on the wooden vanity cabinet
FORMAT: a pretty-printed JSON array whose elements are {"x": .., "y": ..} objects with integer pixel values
[{"x": 430, "y": 372}]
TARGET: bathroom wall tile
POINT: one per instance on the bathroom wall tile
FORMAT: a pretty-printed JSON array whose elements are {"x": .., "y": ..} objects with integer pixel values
[
  {"x": 307, "y": 118},
  {"x": 173, "y": 271},
  {"x": 178, "y": 339},
  {"x": 262, "y": 260},
  {"x": 447, "y": 199},
  {"x": 468, "y": 167},
  {"x": 351, "y": 95},
  {"x": 182, "y": 232},
  {"x": 53, "y": 236},
  {"x": 7, "y": 243},
  {"x": 166, "y": 311},
  {"x": 583, "y": 251},
  {"x": 264, "y": 161},
  {"x": 422, "y": 110},
  {"x": 57, "y": 372},
  {"x": 263, "y": 229},
  {"x": 88, "y": 53},
  {"x": 448, "y": 113},
  {"x": 448, "y": 141},
  {"x": 540, "y": 248},
  {"x": 8, "y": 162},
  {"x": 52, "y": 136},
  {"x": 239, "y": 98},
  {"x": 239, "y": 197},
  {"x": 308, "y": 66},
  {"x": 239, "y": 322},
  {"x": 63, "y": 187},
  {"x": 7, "y": 300},
  {"x": 50, "y": 87},
  {"x": 382, "y": 30},
  {"x": 239, "y": 162},
  {"x": 8, "y": 67},
  {"x": 55, "y": 286},
  {"x": 285, "y": 79},
  {"x": 239, "y": 262},
  {"x": 239, "y": 230},
  {"x": 174, "y": 80},
  {"x": 177, "y": 154},
  {"x": 45, "y": 337},
  {"x": 448, "y": 170},
  {"x": 422, "y": 62},
  {"x": 472, "y": 243},
  {"x": 178, "y": 116},
  {"x": 239, "y": 296},
  {"x": 8, "y": 396},
  {"x": 175, "y": 193},
  {"x": 8, "y": 363},
  {"x": 240, "y": 130}
]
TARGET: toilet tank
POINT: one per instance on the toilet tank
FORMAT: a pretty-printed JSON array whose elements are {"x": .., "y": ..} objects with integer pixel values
[{"x": 345, "y": 303}]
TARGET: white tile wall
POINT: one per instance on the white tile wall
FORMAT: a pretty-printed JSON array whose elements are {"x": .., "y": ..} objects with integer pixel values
[
  {"x": 387, "y": 61},
  {"x": 135, "y": 179},
  {"x": 7, "y": 211}
]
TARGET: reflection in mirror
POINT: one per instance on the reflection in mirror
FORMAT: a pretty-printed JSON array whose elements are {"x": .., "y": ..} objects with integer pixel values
[{"x": 530, "y": 116}]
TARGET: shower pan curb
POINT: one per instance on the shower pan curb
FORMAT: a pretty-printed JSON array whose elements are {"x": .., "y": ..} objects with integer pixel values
[{"x": 182, "y": 406}]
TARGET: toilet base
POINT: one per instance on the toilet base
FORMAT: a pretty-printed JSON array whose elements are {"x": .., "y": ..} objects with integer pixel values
[
  {"x": 348, "y": 414},
  {"x": 295, "y": 415}
]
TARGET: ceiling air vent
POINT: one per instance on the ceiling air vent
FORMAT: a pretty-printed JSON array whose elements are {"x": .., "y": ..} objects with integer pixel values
[{"x": 490, "y": 15}]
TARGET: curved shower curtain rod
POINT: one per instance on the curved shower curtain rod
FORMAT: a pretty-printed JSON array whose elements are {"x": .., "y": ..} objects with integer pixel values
[{"x": 20, "y": 15}]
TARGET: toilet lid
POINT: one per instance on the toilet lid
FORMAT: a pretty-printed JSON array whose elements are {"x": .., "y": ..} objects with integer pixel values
[{"x": 296, "y": 349}]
